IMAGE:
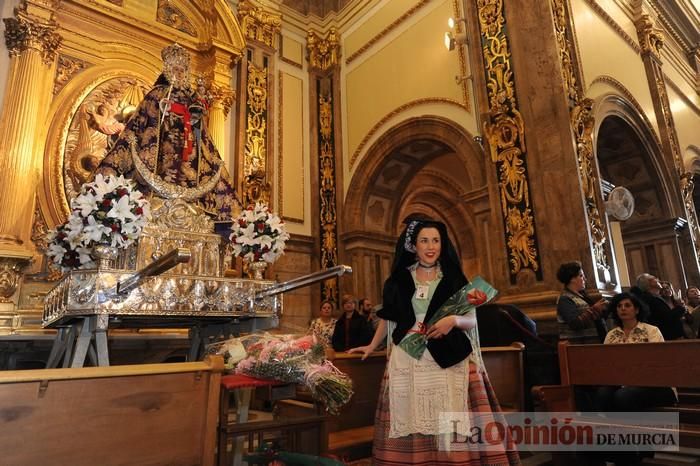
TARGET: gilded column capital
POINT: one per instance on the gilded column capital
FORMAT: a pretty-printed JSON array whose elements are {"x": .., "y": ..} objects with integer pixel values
[
  {"x": 24, "y": 32},
  {"x": 323, "y": 53},
  {"x": 651, "y": 38},
  {"x": 259, "y": 25},
  {"x": 222, "y": 95}
]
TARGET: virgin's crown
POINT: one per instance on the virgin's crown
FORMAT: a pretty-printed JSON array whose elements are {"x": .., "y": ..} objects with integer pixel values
[{"x": 175, "y": 56}]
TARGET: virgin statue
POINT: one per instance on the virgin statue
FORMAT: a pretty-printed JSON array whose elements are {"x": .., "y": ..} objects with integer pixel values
[{"x": 166, "y": 148}]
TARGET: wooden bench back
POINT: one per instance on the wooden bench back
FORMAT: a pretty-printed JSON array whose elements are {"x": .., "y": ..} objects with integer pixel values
[
  {"x": 668, "y": 364},
  {"x": 366, "y": 379},
  {"x": 151, "y": 414},
  {"x": 504, "y": 365}
]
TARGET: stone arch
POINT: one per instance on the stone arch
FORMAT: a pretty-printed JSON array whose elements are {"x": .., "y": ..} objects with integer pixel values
[
  {"x": 629, "y": 153},
  {"x": 426, "y": 165}
]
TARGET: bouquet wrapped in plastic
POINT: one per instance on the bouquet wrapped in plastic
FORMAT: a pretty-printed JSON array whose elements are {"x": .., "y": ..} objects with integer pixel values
[
  {"x": 291, "y": 359},
  {"x": 463, "y": 302}
]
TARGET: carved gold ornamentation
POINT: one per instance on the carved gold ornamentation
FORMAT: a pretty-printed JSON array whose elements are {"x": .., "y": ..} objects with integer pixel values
[
  {"x": 25, "y": 32},
  {"x": 224, "y": 95},
  {"x": 566, "y": 50},
  {"x": 10, "y": 276},
  {"x": 258, "y": 24},
  {"x": 505, "y": 132},
  {"x": 582, "y": 125},
  {"x": 323, "y": 53},
  {"x": 255, "y": 153},
  {"x": 97, "y": 120},
  {"x": 173, "y": 17},
  {"x": 256, "y": 189},
  {"x": 651, "y": 38},
  {"x": 65, "y": 70},
  {"x": 39, "y": 230},
  {"x": 328, "y": 214}
]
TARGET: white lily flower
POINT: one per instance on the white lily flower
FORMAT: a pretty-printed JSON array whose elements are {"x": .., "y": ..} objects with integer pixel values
[
  {"x": 121, "y": 210},
  {"x": 84, "y": 203},
  {"x": 56, "y": 252},
  {"x": 94, "y": 230}
]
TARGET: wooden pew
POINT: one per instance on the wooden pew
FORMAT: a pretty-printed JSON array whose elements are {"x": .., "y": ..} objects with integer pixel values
[
  {"x": 155, "y": 414},
  {"x": 668, "y": 364},
  {"x": 354, "y": 427},
  {"x": 504, "y": 365}
]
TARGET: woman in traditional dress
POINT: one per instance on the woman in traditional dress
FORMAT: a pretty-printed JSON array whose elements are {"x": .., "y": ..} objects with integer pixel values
[
  {"x": 323, "y": 325},
  {"x": 447, "y": 378}
]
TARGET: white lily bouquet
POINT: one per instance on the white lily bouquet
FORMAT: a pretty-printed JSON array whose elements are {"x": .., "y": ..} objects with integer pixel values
[
  {"x": 109, "y": 211},
  {"x": 258, "y": 235}
]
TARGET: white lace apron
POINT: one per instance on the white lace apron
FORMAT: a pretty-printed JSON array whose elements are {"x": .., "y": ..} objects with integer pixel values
[{"x": 419, "y": 390}]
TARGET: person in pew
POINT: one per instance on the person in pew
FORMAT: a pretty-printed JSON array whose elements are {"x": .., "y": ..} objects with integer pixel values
[
  {"x": 580, "y": 319},
  {"x": 668, "y": 319},
  {"x": 692, "y": 299},
  {"x": 351, "y": 329},
  {"x": 628, "y": 316},
  {"x": 447, "y": 377},
  {"x": 322, "y": 327},
  {"x": 368, "y": 312}
]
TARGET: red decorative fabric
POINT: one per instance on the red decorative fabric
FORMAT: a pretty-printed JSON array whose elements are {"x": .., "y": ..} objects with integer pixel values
[
  {"x": 234, "y": 381},
  {"x": 183, "y": 111}
]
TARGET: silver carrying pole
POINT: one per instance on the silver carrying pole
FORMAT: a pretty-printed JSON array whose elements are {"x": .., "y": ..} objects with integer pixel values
[
  {"x": 304, "y": 280},
  {"x": 160, "y": 265}
]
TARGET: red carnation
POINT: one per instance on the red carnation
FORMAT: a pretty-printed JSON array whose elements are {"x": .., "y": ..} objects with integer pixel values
[
  {"x": 107, "y": 202},
  {"x": 138, "y": 211},
  {"x": 476, "y": 297}
]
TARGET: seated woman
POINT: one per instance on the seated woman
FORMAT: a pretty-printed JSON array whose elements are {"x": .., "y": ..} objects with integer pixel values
[
  {"x": 629, "y": 312},
  {"x": 580, "y": 319},
  {"x": 322, "y": 326}
]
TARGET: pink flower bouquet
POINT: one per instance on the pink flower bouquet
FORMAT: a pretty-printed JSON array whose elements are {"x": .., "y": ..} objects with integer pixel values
[{"x": 287, "y": 358}]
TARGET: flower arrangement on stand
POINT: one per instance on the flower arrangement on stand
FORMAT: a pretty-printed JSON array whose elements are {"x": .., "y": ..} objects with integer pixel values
[
  {"x": 287, "y": 358},
  {"x": 109, "y": 212},
  {"x": 258, "y": 236}
]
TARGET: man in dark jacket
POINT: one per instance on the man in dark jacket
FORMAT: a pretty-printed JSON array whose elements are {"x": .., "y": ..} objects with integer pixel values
[
  {"x": 667, "y": 319},
  {"x": 352, "y": 329}
]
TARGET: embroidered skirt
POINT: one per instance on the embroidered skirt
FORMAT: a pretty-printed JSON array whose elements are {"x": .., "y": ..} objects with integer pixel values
[{"x": 425, "y": 450}]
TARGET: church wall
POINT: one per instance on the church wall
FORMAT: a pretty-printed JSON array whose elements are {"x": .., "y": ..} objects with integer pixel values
[
  {"x": 604, "y": 52},
  {"x": 294, "y": 188},
  {"x": 373, "y": 85},
  {"x": 687, "y": 120}
]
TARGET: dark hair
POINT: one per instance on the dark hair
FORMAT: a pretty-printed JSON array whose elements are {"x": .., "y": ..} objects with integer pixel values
[
  {"x": 568, "y": 270},
  {"x": 449, "y": 261},
  {"x": 636, "y": 302},
  {"x": 361, "y": 302}
]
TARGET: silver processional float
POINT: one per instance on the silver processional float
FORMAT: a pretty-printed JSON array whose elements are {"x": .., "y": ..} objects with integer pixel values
[{"x": 173, "y": 276}]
